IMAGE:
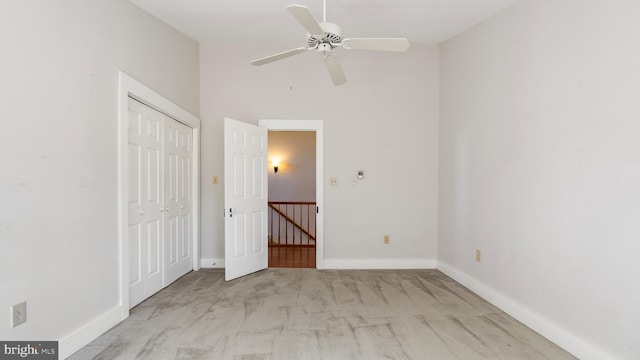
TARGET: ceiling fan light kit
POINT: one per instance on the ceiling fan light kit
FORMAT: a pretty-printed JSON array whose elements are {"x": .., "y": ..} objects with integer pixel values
[{"x": 325, "y": 36}]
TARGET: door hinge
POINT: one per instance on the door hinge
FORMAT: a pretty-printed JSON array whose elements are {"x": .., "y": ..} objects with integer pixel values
[{"x": 317, "y": 209}]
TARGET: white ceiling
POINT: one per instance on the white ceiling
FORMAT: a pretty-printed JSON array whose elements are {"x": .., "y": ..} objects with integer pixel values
[{"x": 268, "y": 21}]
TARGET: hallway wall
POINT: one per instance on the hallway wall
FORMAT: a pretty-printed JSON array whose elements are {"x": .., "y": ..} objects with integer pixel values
[{"x": 296, "y": 176}]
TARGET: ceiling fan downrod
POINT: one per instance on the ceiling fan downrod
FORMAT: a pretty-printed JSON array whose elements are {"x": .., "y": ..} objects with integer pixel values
[{"x": 324, "y": 11}]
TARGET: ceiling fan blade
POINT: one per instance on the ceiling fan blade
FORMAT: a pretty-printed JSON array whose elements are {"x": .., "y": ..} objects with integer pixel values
[
  {"x": 383, "y": 44},
  {"x": 279, "y": 56},
  {"x": 304, "y": 17},
  {"x": 335, "y": 70}
]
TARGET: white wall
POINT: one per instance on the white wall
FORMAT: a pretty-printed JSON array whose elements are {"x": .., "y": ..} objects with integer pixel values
[
  {"x": 540, "y": 168},
  {"x": 383, "y": 121},
  {"x": 296, "y": 176},
  {"x": 58, "y": 150}
]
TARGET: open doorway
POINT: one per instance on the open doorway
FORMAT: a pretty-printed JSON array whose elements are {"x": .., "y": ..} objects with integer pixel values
[
  {"x": 292, "y": 203},
  {"x": 317, "y": 127}
]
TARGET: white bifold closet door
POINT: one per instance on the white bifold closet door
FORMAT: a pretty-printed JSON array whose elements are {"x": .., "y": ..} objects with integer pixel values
[
  {"x": 178, "y": 155},
  {"x": 160, "y": 204}
]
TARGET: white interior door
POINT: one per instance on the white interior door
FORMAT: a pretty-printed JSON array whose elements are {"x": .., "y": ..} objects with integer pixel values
[
  {"x": 178, "y": 257},
  {"x": 160, "y": 233},
  {"x": 145, "y": 201},
  {"x": 139, "y": 192},
  {"x": 245, "y": 198}
]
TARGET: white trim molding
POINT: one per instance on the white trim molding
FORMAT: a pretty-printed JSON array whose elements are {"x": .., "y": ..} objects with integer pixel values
[
  {"x": 211, "y": 263},
  {"x": 542, "y": 325},
  {"x": 379, "y": 264},
  {"x": 87, "y": 333},
  {"x": 309, "y": 125}
]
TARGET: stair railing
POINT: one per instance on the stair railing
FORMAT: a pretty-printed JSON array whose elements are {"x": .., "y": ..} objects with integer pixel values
[{"x": 292, "y": 223}]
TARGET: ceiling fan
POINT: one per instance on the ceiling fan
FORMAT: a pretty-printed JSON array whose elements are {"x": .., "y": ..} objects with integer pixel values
[{"x": 325, "y": 36}]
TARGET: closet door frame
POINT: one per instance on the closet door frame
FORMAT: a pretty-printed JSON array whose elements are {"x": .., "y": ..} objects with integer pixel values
[{"x": 130, "y": 87}]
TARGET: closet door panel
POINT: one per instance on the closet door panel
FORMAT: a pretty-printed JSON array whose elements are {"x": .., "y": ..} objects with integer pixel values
[{"x": 145, "y": 179}]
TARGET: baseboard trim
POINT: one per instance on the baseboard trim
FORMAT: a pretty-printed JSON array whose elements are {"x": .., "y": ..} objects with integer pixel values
[
  {"x": 89, "y": 332},
  {"x": 348, "y": 264},
  {"x": 563, "y": 338},
  {"x": 211, "y": 263},
  {"x": 379, "y": 264}
]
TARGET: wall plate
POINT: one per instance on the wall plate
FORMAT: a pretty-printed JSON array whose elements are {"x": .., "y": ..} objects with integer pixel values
[{"x": 19, "y": 314}]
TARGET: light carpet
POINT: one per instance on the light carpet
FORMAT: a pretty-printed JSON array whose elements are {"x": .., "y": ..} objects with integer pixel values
[{"x": 313, "y": 314}]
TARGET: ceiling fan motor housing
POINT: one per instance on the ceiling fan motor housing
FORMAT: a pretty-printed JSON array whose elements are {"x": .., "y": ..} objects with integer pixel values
[{"x": 332, "y": 36}]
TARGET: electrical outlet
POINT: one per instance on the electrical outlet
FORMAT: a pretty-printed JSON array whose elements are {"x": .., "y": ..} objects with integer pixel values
[
  {"x": 333, "y": 181},
  {"x": 478, "y": 255},
  {"x": 387, "y": 239},
  {"x": 215, "y": 180},
  {"x": 19, "y": 312}
]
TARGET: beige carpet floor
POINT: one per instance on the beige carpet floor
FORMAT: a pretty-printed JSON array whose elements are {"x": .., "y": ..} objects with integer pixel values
[{"x": 312, "y": 314}]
